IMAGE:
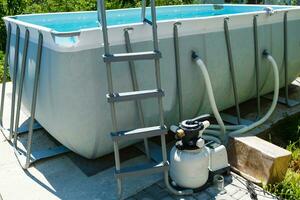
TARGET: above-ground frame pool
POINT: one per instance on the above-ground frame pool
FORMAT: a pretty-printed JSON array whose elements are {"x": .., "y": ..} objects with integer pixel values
[{"x": 72, "y": 104}]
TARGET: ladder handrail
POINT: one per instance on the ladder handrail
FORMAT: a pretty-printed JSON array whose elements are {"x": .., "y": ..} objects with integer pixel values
[
  {"x": 102, "y": 20},
  {"x": 143, "y": 13}
]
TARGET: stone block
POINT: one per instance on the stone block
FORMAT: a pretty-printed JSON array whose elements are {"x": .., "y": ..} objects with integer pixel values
[{"x": 258, "y": 159}]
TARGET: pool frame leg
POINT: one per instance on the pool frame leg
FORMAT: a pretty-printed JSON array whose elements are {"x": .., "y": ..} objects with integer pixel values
[
  {"x": 257, "y": 66},
  {"x": 178, "y": 69},
  {"x": 285, "y": 100},
  {"x": 14, "y": 82},
  {"x": 136, "y": 88},
  {"x": 24, "y": 127},
  {"x": 20, "y": 91},
  {"x": 227, "y": 117},
  {"x": 28, "y": 157}
]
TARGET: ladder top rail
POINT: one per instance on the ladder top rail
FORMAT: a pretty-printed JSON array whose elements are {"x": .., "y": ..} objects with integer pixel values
[
  {"x": 101, "y": 11},
  {"x": 102, "y": 21}
]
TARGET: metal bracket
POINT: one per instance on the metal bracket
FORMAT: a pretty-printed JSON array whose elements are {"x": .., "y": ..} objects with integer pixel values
[
  {"x": 25, "y": 159},
  {"x": 22, "y": 129}
]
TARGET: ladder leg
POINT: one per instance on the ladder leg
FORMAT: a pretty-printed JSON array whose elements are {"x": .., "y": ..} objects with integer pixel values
[
  {"x": 20, "y": 89},
  {"x": 5, "y": 70},
  {"x": 34, "y": 98},
  {"x": 118, "y": 167},
  {"x": 14, "y": 81}
]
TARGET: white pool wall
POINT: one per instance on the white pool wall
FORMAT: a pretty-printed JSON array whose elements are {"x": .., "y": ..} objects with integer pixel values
[{"x": 72, "y": 103}]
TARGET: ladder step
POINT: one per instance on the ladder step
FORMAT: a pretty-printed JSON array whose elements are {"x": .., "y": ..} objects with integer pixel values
[
  {"x": 139, "y": 170},
  {"x": 134, "y": 95},
  {"x": 120, "y": 57},
  {"x": 139, "y": 133}
]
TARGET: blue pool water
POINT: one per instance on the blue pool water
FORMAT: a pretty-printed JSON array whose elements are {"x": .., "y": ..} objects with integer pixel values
[{"x": 65, "y": 22}]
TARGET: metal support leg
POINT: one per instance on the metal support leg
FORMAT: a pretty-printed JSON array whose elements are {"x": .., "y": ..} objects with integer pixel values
[
  {"x": 285, "y": 54},
  {"x": 34, "y": 98},
  {"x": 232, "y": 72},
  {"x": 14, "y": 82},
  {"x": 21, "y": 81},
  {"x": 136, "y": 88},
  {"x": 285, "y": 100},
  {"x": 288, "y": 102},
  {"x": 178, "y": 67},
  {"x": 256, "y": 60}
]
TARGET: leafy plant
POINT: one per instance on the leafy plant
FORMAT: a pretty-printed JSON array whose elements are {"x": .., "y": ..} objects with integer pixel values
[
  {"x": 286, "y": 134},
  {"x": 2, "y": 55},
  {"x": 289, "y": 188}
]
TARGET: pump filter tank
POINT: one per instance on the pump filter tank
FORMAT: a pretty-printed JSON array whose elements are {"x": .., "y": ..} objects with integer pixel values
[
  {"x": 189, "y": 167},
  {"x": 189, "y": 158}
]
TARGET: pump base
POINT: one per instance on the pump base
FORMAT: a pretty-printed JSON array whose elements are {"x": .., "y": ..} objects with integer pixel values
[{"x": 224, "y": 171}]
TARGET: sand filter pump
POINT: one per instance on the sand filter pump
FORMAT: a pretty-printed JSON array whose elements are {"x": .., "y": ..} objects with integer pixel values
[{"x": 196, "y": 158}]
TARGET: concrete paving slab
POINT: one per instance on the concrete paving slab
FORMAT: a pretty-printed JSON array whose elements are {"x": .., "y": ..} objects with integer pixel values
[{"x": 62, "y": 177}]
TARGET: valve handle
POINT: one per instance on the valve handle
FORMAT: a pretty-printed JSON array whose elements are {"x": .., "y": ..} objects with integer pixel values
[{"x": 174, "y": 129}]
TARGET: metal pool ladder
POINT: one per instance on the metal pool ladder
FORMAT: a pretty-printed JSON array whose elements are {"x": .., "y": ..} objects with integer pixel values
[{"x": 113, "y": 97}]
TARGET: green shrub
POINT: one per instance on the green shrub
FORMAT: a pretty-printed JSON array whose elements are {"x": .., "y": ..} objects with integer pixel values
[
  {"x": 2, "y": 55},
  {"x": 289, "y": 188}
]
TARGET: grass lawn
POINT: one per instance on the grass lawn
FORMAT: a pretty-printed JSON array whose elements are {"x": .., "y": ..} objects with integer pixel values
[{"x": 287, "y": 134}]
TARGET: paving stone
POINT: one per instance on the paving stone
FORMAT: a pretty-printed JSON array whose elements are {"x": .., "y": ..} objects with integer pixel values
[
  {"x": 235, "y": 187},
  {"x": 184, "y": 197},
  {"x": 161, "y": 183},
  {"x": 239, "y": 194},
  {"x": 153, "y": 190},
  {"x": 202, "y": 196},
  {"x": 223, "y": 197},
  {"x": 143, "y": 196},
  {"x": 167, "y": 198},
  {"x": 231, "y": 189},
  {"x": 161, "y": 194},
  {"x": 247, "y": 197},
  {"x": 212, "y": 191}
]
